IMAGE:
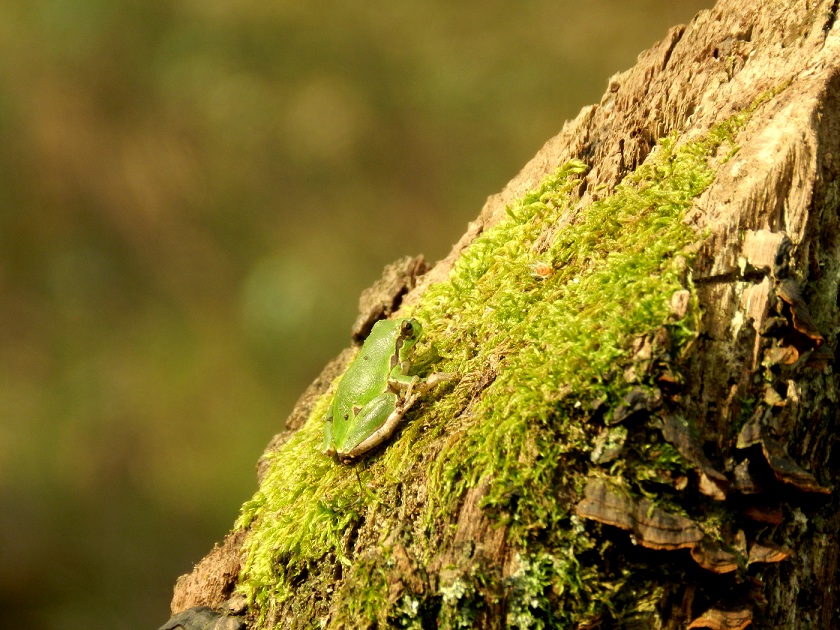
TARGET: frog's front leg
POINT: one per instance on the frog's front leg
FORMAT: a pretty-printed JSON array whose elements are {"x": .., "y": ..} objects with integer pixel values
[
  {"x": 373, "y": 424},
  {"x": 414, "y": 387}
]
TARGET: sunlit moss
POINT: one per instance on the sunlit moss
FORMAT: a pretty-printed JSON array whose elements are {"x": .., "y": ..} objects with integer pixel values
[{"x": 538, "y": 318}]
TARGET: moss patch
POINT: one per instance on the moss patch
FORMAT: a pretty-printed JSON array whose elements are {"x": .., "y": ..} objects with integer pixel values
[{"x": 542, "y": 317}]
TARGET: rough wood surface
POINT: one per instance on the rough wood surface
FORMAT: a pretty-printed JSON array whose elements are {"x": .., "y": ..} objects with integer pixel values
[{"x": 765, "y": 351}]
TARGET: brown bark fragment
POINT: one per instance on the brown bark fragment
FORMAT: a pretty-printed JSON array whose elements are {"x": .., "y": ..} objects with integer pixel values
[
  {"x": 723, "y": 620},
  {"x": 213, "y": 579}
]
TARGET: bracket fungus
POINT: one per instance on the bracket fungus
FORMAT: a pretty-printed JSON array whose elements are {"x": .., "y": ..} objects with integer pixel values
[{"x": 782, "y": 465}]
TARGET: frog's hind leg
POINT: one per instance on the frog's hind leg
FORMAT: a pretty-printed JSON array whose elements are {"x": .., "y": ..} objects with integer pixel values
[
  {"x": 373, "y": 424},
  {"x": 328, "y": 446}
]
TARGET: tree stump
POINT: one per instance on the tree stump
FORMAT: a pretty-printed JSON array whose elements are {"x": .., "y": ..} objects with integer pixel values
[{"x": 642, "y": 433}]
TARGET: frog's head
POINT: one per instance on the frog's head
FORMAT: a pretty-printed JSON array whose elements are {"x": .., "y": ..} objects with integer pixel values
[{"x": 410, "y": 331}]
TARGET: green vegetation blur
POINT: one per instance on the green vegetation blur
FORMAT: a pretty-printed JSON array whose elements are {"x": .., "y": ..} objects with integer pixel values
[{"x": 192, "y": 195}]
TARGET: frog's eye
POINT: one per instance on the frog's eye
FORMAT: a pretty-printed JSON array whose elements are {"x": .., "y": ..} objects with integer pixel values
[{"x": 407, "y": 328}]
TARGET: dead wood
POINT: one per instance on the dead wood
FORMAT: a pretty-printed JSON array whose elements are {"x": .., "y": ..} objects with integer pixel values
[{"x": 760, "y": 383}]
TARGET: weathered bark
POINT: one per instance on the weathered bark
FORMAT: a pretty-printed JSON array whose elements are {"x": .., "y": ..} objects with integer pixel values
[{"x": 751, "y": 406}]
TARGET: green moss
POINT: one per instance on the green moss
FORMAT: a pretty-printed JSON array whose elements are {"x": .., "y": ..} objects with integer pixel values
[
  {"x": 307, "y": 504},
  {"x": 538, "y": 318},
  {"x": 562, "y": 341}
]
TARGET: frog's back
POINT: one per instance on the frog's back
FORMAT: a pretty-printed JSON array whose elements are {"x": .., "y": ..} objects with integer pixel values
[{"x": 367, "y": 376}]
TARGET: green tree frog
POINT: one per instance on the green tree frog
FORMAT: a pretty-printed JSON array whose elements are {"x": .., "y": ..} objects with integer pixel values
[{"x": 376, "y": 391}]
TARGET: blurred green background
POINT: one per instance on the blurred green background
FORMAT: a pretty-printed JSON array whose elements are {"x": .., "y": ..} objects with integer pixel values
[{"x": 192, "y": 195}]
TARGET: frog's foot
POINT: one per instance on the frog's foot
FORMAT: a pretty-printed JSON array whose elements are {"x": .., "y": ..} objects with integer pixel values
[
  {"x": 410, "y": 392},
  {"x": 433, "y": 380}
]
